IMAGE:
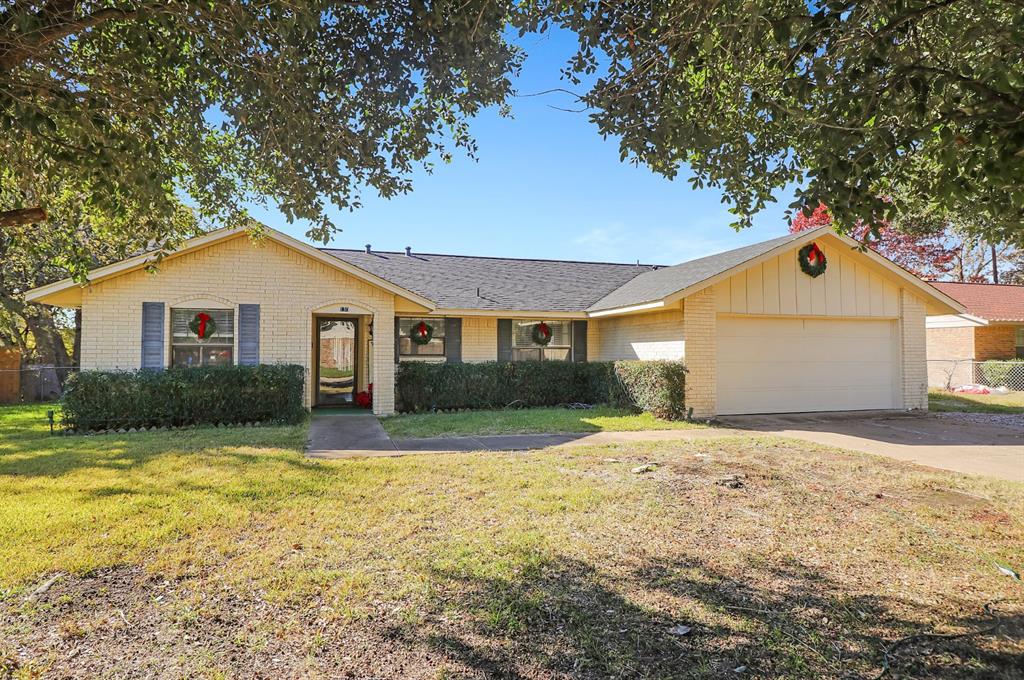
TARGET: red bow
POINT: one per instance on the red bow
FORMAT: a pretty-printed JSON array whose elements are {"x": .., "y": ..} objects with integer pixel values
[
  {"x": 815, "y": 254},
  {"x": 421, "y": 329},
  {"x": 544, "y": 329},
  {"x": 203, "y": 318}
]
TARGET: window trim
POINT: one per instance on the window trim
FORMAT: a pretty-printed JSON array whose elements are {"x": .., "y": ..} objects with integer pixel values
[
  {"x": 568, "y": 347},
  {"x": 439, "y": 325},
  {"x": 232, "y": 344}
]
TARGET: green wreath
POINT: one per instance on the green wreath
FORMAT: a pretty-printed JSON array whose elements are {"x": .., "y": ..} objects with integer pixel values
[
  {"x": 203, "y": 325},
  {"x": 542, "y": 334},
  {"x": 421, "y": 333},
  {"x": 812, "y": 260}
]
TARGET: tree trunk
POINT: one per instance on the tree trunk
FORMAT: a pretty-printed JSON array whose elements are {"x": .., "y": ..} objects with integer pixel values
[
  {"x": 50, "y": 347},
  {"x": 16, "y": 218},
  {"x": 76, "y": 347},
  {"x": 995, "y": 265}
]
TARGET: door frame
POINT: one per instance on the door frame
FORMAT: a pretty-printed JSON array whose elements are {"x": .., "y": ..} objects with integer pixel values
[{"x": 356, "y": 358}]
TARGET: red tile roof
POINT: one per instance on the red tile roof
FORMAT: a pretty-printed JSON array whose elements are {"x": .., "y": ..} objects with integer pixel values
[{"x": 989, "y": 301}]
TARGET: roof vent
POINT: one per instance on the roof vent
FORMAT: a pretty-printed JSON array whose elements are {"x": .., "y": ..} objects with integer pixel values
[
  {"x": 367, "y": 247},
  {"x": 408, "y": 251}
]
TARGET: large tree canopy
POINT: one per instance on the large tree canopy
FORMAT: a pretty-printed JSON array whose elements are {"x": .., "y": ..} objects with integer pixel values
[
  {"x": 129, "y": 103},
  {"x": 854, "y": 102}
]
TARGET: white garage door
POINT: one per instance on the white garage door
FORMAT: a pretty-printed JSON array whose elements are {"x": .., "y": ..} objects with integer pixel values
[{"x": 796, "y": 365}]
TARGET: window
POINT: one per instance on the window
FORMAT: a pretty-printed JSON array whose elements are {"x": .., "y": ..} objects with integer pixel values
[
  {"x": 1020, "y": 342},
  {"x": 408, "y": 348},
  {"x": 525, "y": 349},
  {"x": 188, "y": 350}
]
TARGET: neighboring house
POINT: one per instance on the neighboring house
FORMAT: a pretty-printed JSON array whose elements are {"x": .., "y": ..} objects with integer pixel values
[
  {"x": 992, "y": 328},
  {"x": 757, "y": 334}
]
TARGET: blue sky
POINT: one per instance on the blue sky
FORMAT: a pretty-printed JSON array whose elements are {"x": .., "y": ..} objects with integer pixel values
[{"x": 546, "y": 185}]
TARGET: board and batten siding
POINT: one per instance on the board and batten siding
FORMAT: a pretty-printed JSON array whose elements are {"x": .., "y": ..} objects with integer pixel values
[{"x": 848, "y": 288}]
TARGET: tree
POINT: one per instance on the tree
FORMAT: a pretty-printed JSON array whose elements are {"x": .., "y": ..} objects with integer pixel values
[
  {"x": 853, "y": 102},
  {"x": 76, "y": 235},
  {"x": 931, "y": 249},
  {"x": 133, "y": 103}
]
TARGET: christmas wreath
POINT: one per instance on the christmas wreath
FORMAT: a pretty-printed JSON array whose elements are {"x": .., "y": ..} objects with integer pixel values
[
  {"x": 203, "y": 325},
  {"x": 542, "y": 334},
  {"x": 812, "y": 260},
  {"x": 421, "y": 333}
]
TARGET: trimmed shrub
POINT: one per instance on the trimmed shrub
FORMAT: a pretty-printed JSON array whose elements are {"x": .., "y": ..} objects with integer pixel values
[
  {"x": 657, "y": 387},
  {"x": 1008, "y": 373},
  {"x": 215, "y": 395},
  {"x": 647, "y": 385}
]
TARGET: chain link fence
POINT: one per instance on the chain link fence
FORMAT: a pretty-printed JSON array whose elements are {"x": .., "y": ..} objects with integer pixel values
[
  {"x": 33, "y": 383},
  {"x": 950, "y": 374}
]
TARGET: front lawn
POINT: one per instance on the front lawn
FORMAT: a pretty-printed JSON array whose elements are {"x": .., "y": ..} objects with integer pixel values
[
  {"x": 213, "y": 552},
  {"x": 941, "y": 401},
  {"x": 529, "y": 420}
]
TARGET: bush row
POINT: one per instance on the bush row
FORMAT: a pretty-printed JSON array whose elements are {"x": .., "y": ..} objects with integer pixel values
[
  {"x": 655, "y": 386},
  {"x": 215, "y": 395}
]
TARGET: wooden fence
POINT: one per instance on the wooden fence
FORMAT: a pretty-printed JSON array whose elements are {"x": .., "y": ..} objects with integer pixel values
[{"x": 10, "y": 376}]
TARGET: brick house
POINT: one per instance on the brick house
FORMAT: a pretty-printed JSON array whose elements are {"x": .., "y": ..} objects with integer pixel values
[
  {"x": 992, "y": 329},
  {"x": 758, "y": 334}
]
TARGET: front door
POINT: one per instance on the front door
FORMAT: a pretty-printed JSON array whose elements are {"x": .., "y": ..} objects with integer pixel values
[{"x": 336, "y": 361}]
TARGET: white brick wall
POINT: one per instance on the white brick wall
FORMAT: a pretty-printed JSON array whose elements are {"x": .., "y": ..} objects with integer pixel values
[
  {"x": 699, "y": 327},
  {"x": 913, "y": 351},
  {"x": 658, "y": 335},
  {"x": 287, "y": 285}
]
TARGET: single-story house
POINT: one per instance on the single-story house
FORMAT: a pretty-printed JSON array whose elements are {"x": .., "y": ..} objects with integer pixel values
[
  {"x": 805, "y": 322},
  {"x": 991, "y": 329}
]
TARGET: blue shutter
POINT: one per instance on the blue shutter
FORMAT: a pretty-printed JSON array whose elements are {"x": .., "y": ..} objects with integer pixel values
[
  {"x": 248, "y": 335},
  {"x": 579, "y": 341},
  {"x": 152, "y": 335},
  {"x": 504, "y": 339},
  {"x": 453, "y": 340},
  {"x": 398, "y": 336}
]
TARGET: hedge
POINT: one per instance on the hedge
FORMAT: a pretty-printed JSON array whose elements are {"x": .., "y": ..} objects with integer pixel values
[
  {"x": 215, "y": 395},
  {"x": 654, "y": 386},
  {"x": 1009, "y": 373}
]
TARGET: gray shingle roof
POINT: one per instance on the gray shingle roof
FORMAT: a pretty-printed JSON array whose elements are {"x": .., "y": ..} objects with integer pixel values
[
  {"x": 655, "y": 284},
  {"x": 451, "y": 281}
]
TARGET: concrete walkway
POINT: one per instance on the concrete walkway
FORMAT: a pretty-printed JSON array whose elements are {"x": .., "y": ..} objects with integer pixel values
[
  {"x": 338, "y": 436},
  {"x": 335, "y": 433},
  {"x": 969, "y": 444}
]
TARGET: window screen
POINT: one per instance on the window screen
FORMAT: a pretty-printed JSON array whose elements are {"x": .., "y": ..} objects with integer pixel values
[
  {"x": 525, "y": 349},
  {"x": 188, "y": 350}
]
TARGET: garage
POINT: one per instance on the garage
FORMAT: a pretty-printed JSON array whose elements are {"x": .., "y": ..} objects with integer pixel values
[{"x": 795, "y": 365}]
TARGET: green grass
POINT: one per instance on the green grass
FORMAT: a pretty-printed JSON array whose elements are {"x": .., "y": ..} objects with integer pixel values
[
  {"x": 942, "y": 401},
  {"x": 215, "y": 551},
  {"x": 522, "y": 421},
  {"x": 327, "y": 372}
]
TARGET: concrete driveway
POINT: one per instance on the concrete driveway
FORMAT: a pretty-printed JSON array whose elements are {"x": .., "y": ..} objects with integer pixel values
[{"x": 975, "y": 443}]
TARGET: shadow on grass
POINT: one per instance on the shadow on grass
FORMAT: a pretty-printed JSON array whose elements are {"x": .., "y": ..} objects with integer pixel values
[
  {"x": 563, "y": 618},
  {"x": 27, "y": 454}
]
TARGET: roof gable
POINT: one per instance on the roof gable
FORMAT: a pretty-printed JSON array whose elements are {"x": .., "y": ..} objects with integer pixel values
[
  {"x": 992, "y": 302},
  {"x": 67, "y": 292}
]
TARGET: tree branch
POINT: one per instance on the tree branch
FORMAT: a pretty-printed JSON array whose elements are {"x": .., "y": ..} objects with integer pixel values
[
  {"x": 61, "y": 27},
  {"x": 16, "y": 218}
]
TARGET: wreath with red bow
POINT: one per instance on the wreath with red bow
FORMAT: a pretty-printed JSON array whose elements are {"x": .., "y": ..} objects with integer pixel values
[
  {"x": 542, "y": 333},
  {"x": 421, "y": 333},
  {"x": 203, "y": 325},
  {"x": 812, "y": 260}
]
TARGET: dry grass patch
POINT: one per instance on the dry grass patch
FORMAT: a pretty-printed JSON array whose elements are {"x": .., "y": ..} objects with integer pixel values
[
  {"x": 216, "y": 554},
  {"x": 941, "y": 401}
]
